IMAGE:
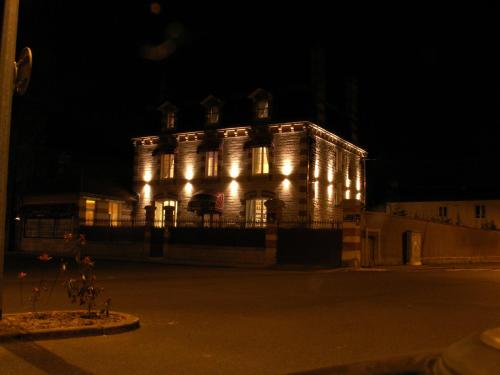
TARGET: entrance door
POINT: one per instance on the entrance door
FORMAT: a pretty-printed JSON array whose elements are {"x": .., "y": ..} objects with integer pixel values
[{"x": 372, "y": 248}]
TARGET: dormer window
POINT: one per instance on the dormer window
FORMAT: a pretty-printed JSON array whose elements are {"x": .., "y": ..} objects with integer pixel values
[
  {"x": 262, "y": 109},
  {"x": 262, "y": 104},
  {"x": 212, "y": 115},
  {"x": 170, "y": 120},
  {"x": 212, "y": 110},
  {"x": 169, "y": 116}
]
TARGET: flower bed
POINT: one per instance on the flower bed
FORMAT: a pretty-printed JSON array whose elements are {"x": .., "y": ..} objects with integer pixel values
[{"x": 52, "y": 324}]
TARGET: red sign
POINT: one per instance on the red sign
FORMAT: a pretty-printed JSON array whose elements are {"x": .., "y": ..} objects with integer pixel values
[{"x": 219, "y": 201}]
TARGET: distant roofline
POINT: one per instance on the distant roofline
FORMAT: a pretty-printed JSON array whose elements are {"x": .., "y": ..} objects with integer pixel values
[{"x": 445, "y": 200}]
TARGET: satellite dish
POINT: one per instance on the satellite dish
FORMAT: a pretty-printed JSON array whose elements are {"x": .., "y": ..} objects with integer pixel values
[{"x": 23, "y": 71}]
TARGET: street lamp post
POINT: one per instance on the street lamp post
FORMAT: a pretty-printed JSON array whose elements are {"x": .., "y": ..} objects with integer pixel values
[{"x": 7, "y": 68}]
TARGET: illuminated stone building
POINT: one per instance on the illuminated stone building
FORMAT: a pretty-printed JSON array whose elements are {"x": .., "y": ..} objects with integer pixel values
[{"x": 239, "y": 166}]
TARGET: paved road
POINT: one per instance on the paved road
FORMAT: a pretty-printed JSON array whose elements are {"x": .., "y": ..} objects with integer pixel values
[{"x": 237, "y": 321}]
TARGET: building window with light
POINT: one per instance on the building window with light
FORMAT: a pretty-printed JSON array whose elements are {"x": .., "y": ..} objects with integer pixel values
[
  {"x": 170, "y": 120},
  {"x": 260, "y": 160},
  {"x": 167, "y": 166},
  {"x": 114, "y": 213},
  {"x": 256, "y": 212},
  {"x": 212, "y": 115},
  {"x": 262, "y": 109},
  {"x": 89, "y": 212},
  {"x": 212, "y": 159},
  {"x": 480, "y": 211}
]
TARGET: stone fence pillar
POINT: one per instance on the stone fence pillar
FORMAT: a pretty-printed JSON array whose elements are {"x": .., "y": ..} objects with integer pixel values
[{"x": 351, "y": 233}]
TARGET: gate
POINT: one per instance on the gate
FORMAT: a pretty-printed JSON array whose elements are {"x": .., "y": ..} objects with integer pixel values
[
  {"x": 156, "y": 248},
  {"x": 309, "y": 246}
]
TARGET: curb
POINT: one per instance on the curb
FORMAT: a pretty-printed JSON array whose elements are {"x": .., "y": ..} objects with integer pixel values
[{"x": 128, "y": 324}]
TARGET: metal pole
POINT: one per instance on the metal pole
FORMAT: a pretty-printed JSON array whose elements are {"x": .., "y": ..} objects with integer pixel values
[
  {"x": 7, "y": 61},
  {"x": 364, "y": 182}
]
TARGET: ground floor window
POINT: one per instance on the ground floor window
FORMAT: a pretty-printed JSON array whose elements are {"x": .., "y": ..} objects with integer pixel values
[
  {"x": 256, "y": 212},
  {"x": 114, "y": 213},
  {"x": 161, "y": 212},
  {"x": 89, "y": 212}
]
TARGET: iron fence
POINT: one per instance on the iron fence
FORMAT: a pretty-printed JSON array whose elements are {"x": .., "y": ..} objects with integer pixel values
[{"x": 215, "y": 223}]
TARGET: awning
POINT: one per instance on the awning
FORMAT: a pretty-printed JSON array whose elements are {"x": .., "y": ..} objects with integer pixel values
[
  {"x": 168, "y": 145},
  {"x": 259, "y": 137},
  {"x": 260, "y": 142},
  {"x": 206, "y": 203},
  {"x": 209, "y": 144}
]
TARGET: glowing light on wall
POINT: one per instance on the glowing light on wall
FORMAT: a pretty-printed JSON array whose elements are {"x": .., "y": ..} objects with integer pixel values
[
  {"x": 287, "y": 168},
  {"x": 233, "y": 187},
  {"x": 316, "y": 169},
  {"x": 286, "y": 184},
  {"x": 235, "y": 171},
  {"x": 147, "y": 176},
  {"x": 189, "y": 173},
  {"x": 358, "y": 183},
  {"x": 358, "y": 196},
  {"x": 347, "y": 183},
  {"x": 330, "y": 175},
  {"x": 347, "y": 194},
  {"x": 188, "y": 188},
  {"x": 330, "y": 191},
  {"x": 316, "y": 190}
]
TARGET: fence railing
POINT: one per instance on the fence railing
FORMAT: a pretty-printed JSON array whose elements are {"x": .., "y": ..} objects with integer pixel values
[{"x": 218, "y": 223}]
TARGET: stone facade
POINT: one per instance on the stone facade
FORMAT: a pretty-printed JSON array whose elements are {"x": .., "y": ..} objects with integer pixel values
[{"x": 310, "y": 169}]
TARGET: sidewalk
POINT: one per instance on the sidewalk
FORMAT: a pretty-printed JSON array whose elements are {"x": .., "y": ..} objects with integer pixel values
[{"x": 324, "y": 268}]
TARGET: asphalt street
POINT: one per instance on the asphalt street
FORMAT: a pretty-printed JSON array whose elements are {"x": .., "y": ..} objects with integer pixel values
[{"x": 198, "y": 320}]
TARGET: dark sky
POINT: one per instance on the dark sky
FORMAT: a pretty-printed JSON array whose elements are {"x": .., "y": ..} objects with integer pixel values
[{"x": 428, "y": 78}]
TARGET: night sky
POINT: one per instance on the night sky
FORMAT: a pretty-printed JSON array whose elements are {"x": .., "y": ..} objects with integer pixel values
[{"x": 428, "y": 78}]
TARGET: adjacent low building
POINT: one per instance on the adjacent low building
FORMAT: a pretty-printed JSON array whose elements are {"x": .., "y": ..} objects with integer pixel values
[
  {"x": 46, "y": 217},
  {"x": 484, "y": 213}
]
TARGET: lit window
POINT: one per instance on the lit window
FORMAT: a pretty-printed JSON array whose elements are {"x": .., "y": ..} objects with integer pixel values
[
  {"x": 170, "y": 122},
  {"x": 114, "y": 213},
  {"x": 443, "y": 211},
  {"x": 212, "y": 158},
  {"x": 256, "y": 212},
  {"x": 213, "y": 115},
  {"x": 167, "y": 166},
  {"x": 480, "y": 211},
  {"x": 260, "y": 160},
  {"x": 89, "y": 212},
  {"x": 262, "y": 108}
]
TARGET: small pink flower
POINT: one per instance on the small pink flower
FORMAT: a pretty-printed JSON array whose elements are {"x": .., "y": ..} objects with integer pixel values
[
  {"x": 22, "y": 275},
  {"x": 44, "y": 257},
  {"x": 68, "y": 236},
  {"x": 83, "y": 241}
]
